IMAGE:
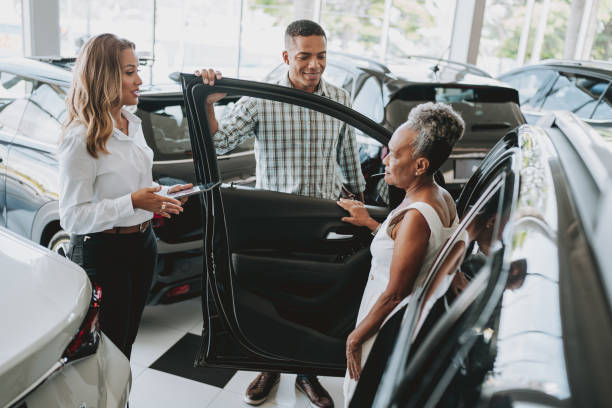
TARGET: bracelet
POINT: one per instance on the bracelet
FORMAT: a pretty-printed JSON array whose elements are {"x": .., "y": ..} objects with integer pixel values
[{"x": 375, "y": 230}]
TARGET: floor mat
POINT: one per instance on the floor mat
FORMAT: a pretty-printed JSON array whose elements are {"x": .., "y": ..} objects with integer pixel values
[{"x": 178, "y": 360}]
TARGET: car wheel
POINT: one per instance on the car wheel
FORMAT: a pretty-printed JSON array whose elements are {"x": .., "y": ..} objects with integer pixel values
[{"x": 59, "y": 242}]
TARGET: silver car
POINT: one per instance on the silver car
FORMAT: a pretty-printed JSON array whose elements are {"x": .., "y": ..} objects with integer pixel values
[{"x": 52, "y": 352}]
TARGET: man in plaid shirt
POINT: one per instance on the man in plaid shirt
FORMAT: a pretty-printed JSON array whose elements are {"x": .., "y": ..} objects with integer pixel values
[{"x": 297, "y": 150}]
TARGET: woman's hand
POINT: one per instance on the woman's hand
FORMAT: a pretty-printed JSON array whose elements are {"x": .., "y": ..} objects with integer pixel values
[
  {"x": 208, "y": 77},
  {"x": 146, "y": 199},
  {"x": 180, "y": 187},
  {"x": 353, "y": 356},
  {"x": 358, "y": 214}
]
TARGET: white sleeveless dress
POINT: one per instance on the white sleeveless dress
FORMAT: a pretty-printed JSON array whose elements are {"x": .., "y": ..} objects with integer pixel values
[{"x": 382, "y": 253}]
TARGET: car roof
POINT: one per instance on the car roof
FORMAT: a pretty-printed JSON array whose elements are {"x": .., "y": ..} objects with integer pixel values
[
  {"x": 467, "y": 79},
  {"x": 49, "y": 69},
  {"x": 415, "y": 68},
  {"x": 33, "y": 68},
  {"x": 410, "y": 68},
  {"x": 601, "y": 68},
  {"x": 358, "y": 61}
]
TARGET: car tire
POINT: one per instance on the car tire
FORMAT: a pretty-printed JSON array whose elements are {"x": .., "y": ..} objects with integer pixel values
[{"x": 59, "y": 242}]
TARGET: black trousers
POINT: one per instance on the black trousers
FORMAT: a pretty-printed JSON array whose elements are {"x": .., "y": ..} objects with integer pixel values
[{"x": 123, "y": 266}]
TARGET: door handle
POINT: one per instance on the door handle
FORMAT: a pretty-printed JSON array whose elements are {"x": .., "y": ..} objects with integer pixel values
[{"x": 333, "y": 236}]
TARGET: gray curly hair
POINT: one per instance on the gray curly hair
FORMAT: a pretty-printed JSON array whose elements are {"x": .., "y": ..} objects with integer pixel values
[{"x": 438, "y": 128}]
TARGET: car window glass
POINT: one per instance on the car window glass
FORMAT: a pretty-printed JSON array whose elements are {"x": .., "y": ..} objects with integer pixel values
[
  {"x": 575, "y": 93},
  {"x": 44, "y": 114},
  {"x": 604, "y": 109},
  {"x": 339, "y": 77},
  {"x": 13, "y": 102},
  {"x": 469, "y": 252},
  {"x": 369, "y": 101},
  {"x": 528, "y": 83},
  {"x": 299, "y": 150},
  {"x": 166, "y": 128},
  {"x": 485, "y": 179},
  {"x": 51, "y": 99}
]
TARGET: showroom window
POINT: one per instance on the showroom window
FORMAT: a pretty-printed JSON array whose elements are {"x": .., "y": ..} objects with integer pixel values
[
  {"x": 503, "y": 29},
  {"x": 419, "y": 28},
  {"x": 602, "y": 42},
  {"x": 80, "y": 19},
  {"x": 354, "y": 26},
  {"x": 262, "y": 41},
  {"x": 10, "y": 29},
  {"x": 195, "y": 34}
]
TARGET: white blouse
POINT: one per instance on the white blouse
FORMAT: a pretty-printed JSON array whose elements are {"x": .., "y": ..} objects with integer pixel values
[{"x": 95, "y": 194}]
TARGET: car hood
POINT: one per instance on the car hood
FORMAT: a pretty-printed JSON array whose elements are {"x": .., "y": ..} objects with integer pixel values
[{"x": 44, "y": 299}]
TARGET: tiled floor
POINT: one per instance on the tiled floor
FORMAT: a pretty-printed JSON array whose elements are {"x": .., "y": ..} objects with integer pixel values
[{"x": 163, "y": 374}]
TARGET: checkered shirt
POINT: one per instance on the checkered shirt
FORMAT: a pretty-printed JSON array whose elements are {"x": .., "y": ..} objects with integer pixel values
[{"x": 296, "y": 149}]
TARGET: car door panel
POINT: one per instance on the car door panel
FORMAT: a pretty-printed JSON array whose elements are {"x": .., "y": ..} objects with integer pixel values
[
  {"x": 282, "y": 254},
  {"x": 284, "y": 275},
  {"x": 300, "y": 282},
  {"x": 288, "y": 222}
]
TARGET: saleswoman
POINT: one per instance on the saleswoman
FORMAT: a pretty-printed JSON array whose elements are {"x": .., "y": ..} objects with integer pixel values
[{"x": 107, "y": 193}]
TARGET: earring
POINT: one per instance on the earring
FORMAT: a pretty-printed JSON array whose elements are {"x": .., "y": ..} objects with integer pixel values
[{"x": 416, "y": 173}]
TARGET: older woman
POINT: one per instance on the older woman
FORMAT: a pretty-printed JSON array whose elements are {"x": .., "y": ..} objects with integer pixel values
[{"x": 407, "y": 242}]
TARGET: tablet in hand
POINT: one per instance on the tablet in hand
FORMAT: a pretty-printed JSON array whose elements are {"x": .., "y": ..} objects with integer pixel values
[
  {"x": 186, "y": 193},
  {"x": 193, "y": 190}
]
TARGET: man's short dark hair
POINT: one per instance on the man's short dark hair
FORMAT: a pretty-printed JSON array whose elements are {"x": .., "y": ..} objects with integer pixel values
[{"x": 303, "y": 28}]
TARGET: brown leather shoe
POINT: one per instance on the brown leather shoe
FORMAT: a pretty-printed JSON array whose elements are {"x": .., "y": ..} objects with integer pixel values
[
  {"x": 313, "y": 389},
  {"x": 259, "y": 389}
]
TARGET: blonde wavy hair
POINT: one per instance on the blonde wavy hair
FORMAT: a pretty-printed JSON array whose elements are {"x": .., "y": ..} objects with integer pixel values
[{"x": 96, "y": 89}]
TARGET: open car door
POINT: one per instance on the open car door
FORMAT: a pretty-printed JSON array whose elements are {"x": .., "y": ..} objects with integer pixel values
[{"x": 283, "y": 275}]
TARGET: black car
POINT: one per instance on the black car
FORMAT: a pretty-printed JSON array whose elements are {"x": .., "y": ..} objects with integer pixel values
[
  {"x": 32, "y": 109},
  {"x": 581, "y": 87},
  {"x": 534, "y": 325},
  {"x": 284, "y": 276}
]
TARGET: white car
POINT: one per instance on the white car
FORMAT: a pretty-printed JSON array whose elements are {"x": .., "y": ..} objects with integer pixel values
[{"x": 52, "y": 352}]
